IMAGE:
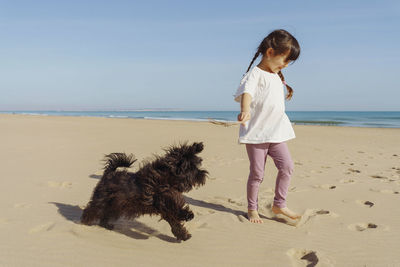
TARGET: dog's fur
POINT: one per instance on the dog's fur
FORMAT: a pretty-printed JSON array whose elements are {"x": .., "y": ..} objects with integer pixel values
[{"x": 155, "y": 189}]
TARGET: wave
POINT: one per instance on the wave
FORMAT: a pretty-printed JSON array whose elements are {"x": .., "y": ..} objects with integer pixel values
[
  {"x": 32, "y": 114},
  {"x": 318, "y": 122},
  {"x": 173, "y": 119},
  {"x": 115, "y": 116}
]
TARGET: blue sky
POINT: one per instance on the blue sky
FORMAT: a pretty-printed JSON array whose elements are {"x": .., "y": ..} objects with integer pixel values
[{"x": 191, "y": 55}]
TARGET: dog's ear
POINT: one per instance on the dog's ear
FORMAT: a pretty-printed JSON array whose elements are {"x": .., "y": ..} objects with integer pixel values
[
  {"x": 197, "y": 147},
  {"x": 185, "y": 150}
]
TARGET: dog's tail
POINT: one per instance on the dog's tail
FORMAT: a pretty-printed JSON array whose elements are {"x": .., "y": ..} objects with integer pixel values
[{"x": 115, "y": 160}]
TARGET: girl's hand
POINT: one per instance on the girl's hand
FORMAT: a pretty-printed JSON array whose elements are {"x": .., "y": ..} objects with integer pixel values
[{"x": 243, "y": 117}]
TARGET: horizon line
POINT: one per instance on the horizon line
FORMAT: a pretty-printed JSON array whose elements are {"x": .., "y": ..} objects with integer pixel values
[{"x": 173, "y": 110}]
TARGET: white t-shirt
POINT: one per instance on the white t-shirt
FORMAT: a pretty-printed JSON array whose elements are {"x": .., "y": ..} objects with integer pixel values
[{"x": 269, "y": 122}]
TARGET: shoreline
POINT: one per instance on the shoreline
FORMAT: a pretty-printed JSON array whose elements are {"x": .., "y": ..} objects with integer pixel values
[{"x": 334, "y": 124}]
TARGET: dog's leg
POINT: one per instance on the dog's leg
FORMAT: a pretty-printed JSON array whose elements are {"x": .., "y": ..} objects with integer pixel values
[
  {"x": 173, "y": 203},
  {"x": 107, "y": 215},
  {"x": 172, "y": 209},
  {"x": 104, "y": 223},
  {"x": 185, "y": 214},
  {"x": 89, "y": 214},
  {"x": 182, "y": 210},
  {"x": 177, "y": 228}
]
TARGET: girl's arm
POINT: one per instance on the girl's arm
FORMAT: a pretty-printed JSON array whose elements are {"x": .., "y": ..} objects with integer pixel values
[{"x": 244, "y": 108}]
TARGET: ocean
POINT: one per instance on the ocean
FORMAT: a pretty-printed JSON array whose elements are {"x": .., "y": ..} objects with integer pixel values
[{"x": 373, "y": 119}]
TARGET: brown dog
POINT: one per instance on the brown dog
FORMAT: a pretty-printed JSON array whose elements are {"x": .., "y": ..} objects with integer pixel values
[{"x": 156, "y": 188}]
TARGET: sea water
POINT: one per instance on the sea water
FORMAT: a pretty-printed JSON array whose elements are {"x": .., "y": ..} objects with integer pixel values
[{"x": 375, "y": 119}]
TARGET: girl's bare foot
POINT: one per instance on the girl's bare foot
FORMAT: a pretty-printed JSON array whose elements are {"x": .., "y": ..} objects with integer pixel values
[
  {"x": 253, "y": 216},
  {"x": 285, "y": 211}
]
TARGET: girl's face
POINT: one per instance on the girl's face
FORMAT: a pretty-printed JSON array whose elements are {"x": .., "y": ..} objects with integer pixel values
[{"x": 276, "y": 62}]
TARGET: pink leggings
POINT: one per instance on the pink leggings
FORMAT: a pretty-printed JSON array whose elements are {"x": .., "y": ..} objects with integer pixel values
[{"x": 257, "y": 153}]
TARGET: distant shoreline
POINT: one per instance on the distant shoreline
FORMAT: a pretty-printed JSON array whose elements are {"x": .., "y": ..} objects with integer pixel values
[{"x": 368, "y": 119}]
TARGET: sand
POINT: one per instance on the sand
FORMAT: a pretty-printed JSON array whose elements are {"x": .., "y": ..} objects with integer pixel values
[{"x": 346, "y": 183}]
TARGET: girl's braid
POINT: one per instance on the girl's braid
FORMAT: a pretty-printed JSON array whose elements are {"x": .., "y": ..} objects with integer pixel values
[
  {"x": 254, "y": 58},
  {"x": 289, "y": 89}
]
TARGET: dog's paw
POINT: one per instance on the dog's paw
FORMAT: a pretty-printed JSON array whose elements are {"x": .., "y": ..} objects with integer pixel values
[
  {"x": 184, "y": 237},
  {"x": 108, "y": 226},
  {"x": 186, "y": 215},
  {"x": 180, "y": 232},
  {"x": 189, "y": 216}
]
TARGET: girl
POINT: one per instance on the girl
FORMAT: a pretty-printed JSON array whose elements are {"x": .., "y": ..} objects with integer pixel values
[{"x": 264, "y": 124}]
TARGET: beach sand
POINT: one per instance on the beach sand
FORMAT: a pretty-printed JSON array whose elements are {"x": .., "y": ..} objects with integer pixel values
[{"x": 346, "y": 183}]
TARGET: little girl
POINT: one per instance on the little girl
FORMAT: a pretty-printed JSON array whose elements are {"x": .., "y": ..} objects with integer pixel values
[{"x": 264, "y": 124}]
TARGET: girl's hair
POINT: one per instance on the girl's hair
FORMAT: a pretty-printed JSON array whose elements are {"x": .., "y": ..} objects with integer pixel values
[{"x": 281, "y": 42}]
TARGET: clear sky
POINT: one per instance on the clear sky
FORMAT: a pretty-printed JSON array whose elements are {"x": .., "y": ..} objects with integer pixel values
[{"x": 191, "y": 55}]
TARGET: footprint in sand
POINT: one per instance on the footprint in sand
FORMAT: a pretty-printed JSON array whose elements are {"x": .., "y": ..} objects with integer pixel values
[
  {"x": 236, "y": 202},
  {"x": 310, "y": 214},
  {"x": 397, "y": 170},
  {"x": 347, "y": 181},
  {"x": 309, "y": 258},
  {"x": 234, "y": 207},
  {"x": 365, "y": 203},
  {"x": 354, "y": 170},
  {"x": 204, "y": 212},
  {"x": 365, "y": 226},
  {"x": 314, "y": 171},
  {"x": 395, "y": 176},
  {"x": 295, "y": 189},
  {"x": 379, "y": 177},
  {"x": 42, "y": 227},
  {"x": 322, "y": 212},
  {"x": 384, "y": 191},
  {"x": 199, "y": 225},
  {"x": 59, "y": 184},
  {"x": 325, "y": 186}
]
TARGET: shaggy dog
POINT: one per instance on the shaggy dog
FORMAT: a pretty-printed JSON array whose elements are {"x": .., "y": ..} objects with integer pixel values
[{"x": 156, "y": 188}]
